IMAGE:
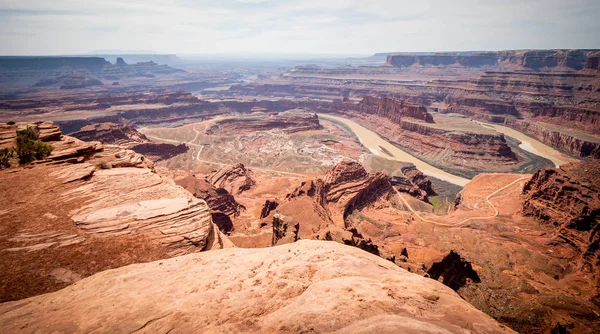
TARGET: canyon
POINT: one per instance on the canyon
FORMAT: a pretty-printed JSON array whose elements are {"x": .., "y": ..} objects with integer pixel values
[{"x": 433, "y": 192}]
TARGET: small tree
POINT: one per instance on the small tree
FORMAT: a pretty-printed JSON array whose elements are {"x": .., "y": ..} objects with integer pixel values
[
  {"x": 5, "y": 155},
  {"x": 29, "y": 145}
]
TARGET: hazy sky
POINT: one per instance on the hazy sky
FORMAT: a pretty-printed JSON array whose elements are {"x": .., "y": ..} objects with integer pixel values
[{"x": 295, "y": 26}]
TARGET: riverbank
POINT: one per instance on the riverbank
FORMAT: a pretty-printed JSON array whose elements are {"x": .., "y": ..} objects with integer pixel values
[{"x": 379, "y": 146}]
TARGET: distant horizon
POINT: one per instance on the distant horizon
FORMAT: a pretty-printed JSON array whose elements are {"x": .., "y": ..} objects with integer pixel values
[{"x": 272, "y": 54}]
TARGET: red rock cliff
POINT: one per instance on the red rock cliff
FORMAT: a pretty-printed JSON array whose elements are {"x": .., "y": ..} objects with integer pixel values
[
  {"x": 569, "y": 198},
  {"x": 394, "y": 109},
  {"x": 564, "y": 141}
]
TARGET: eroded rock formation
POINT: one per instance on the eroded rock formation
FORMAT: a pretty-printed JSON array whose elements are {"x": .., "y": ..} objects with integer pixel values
[
  {"x": 345, "y": 187},
  {"x": 289, "y": 121},
  {"x": 269, "y": 206},
  {"x": 569, "y": 199},
  {"x": 128, "y": 137},
  {"x": 413, "y": 182},
  {"x": 235, "y": 179},
  {"x": 111, "y": 133},
  {"x": 273, "y": 290},
  {"x": 222, "y": 204},
  {"x": 394, "y": 109},
  {"x": 284, "y": 230},
  {"x": 90, "y": 207}
]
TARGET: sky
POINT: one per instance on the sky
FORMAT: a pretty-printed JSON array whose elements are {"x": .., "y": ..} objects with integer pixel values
[{"x": 51, "y": 27}]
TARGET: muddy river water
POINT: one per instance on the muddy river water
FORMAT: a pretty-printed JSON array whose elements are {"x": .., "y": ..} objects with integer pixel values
[
  {"x": 375, "y": 144},
  {"x": 532, "y": 145}
]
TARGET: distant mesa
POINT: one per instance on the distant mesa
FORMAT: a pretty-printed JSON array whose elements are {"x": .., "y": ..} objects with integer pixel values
[
  {"x": 78, "y": 72},
  {"x": 120, "y": 62},
  {"x": 534, "y": 60}
]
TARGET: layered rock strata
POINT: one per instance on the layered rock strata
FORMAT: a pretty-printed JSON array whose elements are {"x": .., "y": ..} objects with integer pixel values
[
  {"x": 565, "y": 141},
  {"x": 223, "y": 205},
  {"x": 568, "y": 198},
  {"x": 394, "y": 109},
  {"x": 289, "y": 122},
  {"x": 235, "y": 179},
  {"x": 535, "y": 60},
  {"x": 413, "y": 182},
  {"x": 128, "y": 137},
  {"x": 110, "y": 133},
  {"x": 346, "y": 186},
  {"x": 85, "y": 204}
]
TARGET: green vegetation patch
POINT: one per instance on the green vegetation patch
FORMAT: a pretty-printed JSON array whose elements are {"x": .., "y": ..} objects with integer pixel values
[{"x": 29, "y": 145}]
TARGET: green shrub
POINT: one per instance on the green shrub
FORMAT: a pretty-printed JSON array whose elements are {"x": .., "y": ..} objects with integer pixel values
[
  {"x": 5, "y": 155},
  {"x": 11, "y": 123},
  {"x": 29, "y": 145}
]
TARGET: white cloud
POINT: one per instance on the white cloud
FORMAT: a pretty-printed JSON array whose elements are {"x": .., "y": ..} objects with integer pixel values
[{"x": 294, "y": 26}]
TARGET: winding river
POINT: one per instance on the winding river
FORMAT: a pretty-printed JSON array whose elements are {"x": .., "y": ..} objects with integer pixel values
[
  {"x": 532, "y": 145},
  {"x": 375, "y": 143}
]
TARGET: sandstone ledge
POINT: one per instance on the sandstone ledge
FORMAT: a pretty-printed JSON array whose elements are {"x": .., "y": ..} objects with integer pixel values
[{"x": 313, "y": 286}]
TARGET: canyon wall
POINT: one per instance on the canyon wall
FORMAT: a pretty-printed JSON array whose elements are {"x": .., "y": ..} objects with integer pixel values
[
  {"x": 592, "y": 63},
  {"x": 452, "y": 143},
  {"x": 561, "y": 140},
  {"x": 517, "y": 59},
  {"x": 569, "y": 199},
  {"x": 394, "y": 109}
]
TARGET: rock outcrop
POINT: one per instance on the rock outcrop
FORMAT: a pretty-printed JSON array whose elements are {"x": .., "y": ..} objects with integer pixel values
[
  {"x": 284, "y": 230},
  {"x": 307, "y": 286},
  {"x": 393, "y": 109},
  {"x": 111, "y": 133},
  {"x": 343, "y": 188},
  {"x": 47, "y": 132},
  {"x": 269, "y": 206},
  {"x": 223, "y": 205},
  {"x": 569, "y": 199},
  {"x": 235, "y": 179},
  {"x": 413, "y": 182},
  {"x": 290, "y": 121},
  {"x": 90, "y": 207},
  {"x": 128, "y": 137}
]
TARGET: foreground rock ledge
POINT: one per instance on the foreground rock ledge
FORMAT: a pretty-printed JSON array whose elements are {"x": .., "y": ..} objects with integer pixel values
[{"x": 307, "y": 286}]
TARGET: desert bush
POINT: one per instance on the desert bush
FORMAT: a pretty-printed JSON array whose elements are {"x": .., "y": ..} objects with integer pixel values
[
  {"x": 29, "y": 145},
  {"x": 105, "y": 165},
  {"x": 10, "y": 122},
  {"x": 5, "y": 155}
]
